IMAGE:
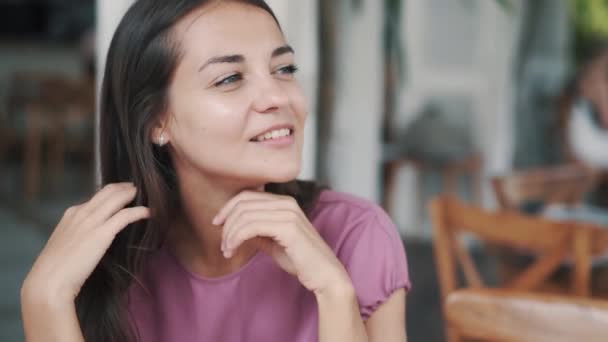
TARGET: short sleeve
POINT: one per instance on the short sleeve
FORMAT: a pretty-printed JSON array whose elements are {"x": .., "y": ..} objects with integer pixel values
[{"x": 375, "y": 259}]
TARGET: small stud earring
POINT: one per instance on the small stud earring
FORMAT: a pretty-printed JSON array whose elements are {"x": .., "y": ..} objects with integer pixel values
[{"x": 161, "y": 139}]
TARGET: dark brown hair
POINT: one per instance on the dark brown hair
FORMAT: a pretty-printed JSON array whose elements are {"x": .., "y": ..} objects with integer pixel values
[{"x": 139, "y": 67}]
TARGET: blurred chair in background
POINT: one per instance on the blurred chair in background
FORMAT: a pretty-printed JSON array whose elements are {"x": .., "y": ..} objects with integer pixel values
[
  {"x": 555, "y": 193},
  {"x": 554, "y": 243},
  {"x": 511, "y": 316},
  {"x": 540, "y": 187},
  {"x": 52, "y": 111}
]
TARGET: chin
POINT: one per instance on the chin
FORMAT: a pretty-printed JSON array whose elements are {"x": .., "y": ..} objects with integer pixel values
[{"x": 282, "y": 173}]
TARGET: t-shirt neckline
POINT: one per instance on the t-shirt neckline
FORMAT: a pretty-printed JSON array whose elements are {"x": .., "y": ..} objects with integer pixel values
[{"x": 199, "y": 278}]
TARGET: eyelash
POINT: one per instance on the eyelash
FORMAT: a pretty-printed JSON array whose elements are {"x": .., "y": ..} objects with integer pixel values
[
  {"x": 228, "y": 80},
  {"x": 289, "y": 69}
]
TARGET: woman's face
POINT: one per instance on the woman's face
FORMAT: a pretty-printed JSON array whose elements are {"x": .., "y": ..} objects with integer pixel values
[{"x": 235, "y": 110}]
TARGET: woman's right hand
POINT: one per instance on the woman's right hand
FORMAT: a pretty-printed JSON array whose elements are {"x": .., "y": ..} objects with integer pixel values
[{"x": 78, "y": 243}]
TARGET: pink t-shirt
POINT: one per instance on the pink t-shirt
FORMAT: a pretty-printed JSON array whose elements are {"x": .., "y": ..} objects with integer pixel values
[{"x": 261, "y": 302}]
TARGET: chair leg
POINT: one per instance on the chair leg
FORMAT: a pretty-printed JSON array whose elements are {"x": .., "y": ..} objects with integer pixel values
[
  {"x": 32, "y": 153},
  {"x": 450, "y": 180},
  {"x": 3, "y": 148},
  {"x": 451, "y": 335},
  {"x": 582, "y": 264},
  {"x": 57, "y": 155},
  {"x": 476, "y": 179}
]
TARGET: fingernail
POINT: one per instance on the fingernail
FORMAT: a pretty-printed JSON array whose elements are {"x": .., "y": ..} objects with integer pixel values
[{"x": 215, "y": 221}]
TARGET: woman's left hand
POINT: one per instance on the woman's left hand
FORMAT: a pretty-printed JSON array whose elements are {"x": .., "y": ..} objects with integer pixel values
[{"x": 284, "y": 232}]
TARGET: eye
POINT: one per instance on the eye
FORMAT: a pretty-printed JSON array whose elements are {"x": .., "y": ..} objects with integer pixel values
[
  {"x": 287, "y": 70},
  {"x": 229, "y": 80}
]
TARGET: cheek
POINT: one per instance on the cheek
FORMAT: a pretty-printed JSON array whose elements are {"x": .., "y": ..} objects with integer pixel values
[
  {"x": 298, "y": 103},
  {"x": 207, "y": 126}
]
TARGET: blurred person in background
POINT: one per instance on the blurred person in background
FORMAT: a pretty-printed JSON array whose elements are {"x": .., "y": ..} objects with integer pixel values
[
  {"x": 587, "y": 117},
  {"x": 201, "y": 230},
  {"x": 584, "y": 119}
]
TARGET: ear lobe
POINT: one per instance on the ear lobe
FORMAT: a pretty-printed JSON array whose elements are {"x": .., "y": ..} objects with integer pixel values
[{"x": 159, "y": 136}]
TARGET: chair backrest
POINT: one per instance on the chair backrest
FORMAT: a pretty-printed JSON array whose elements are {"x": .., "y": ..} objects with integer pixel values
[
  {"x": 52, "y": 91},
  {"x": 566, "y": 184},
  {"x": 506, "y": 315},
  {"x": 554, "y": 242}
]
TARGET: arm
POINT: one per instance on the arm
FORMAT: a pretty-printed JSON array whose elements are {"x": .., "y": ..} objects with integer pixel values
[
  {"x": 74, "y": 249},
  {"x": 48, "y": 320},
  {"x": 387, "y": 323},
  {"x": 339, "y": 316},
  {"x": 340, "y": 320}
]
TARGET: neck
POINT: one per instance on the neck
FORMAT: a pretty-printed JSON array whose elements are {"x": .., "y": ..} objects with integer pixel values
[{"x": 194, "y": 239}]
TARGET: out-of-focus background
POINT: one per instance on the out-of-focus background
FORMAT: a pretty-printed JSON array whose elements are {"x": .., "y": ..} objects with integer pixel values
[{"x": 410, "y": 100}]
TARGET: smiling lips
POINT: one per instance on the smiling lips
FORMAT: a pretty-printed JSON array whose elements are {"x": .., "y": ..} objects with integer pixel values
[
  {"x": 274, "y": 134},
  {"x": 278, "y": 136}
]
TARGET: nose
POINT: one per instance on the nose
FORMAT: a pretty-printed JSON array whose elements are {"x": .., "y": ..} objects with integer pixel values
[{"x": 270, "y": 95}]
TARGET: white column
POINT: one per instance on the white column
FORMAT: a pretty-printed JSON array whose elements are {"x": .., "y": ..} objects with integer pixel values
[
  {"x": 499, "y": 46},
  {"x": 109, "y": 13},
  {"x": 299, "y": 20},
  {"x": 355, "y": 149}
]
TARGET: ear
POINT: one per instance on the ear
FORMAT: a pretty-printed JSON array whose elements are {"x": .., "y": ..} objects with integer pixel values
[{"x": 160, "y": 134}]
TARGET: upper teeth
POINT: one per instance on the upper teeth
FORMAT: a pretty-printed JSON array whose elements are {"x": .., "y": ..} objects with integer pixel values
[{"x": 278, "y": 133}]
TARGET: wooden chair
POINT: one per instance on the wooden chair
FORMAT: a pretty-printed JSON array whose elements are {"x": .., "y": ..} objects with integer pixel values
[
  {"x": 554, "y": 242},
  {"x": 450, "y": 174},
  {"x": 505, "y": 315},
  {"x": 564, "y": 184},
  {"x": 48, "y": 102}
]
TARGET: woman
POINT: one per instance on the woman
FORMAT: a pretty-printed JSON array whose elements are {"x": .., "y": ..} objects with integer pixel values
[
  {"x": 586, "y": 115},
  {"x": 583, "y": 120},
  {"x": 201, "y": 232}
]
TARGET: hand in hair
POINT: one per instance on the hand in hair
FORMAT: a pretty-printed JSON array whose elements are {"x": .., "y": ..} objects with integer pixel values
[
  {"x": 282, "y": 231},
  {"x": 71, "y": 254}
]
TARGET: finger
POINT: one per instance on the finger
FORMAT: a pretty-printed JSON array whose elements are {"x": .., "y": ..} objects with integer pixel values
[
  {"x": 101, "y": 196},
  {"x": 276, "y": 231},
  {"x": 282, "y": 232},
  {"x": 229, "y": 206},
  {"x": 248, "y": 217},
  {"x": 106, "y": 191},
  {"x": 112, "y": 204},
  {"x": 244, "y": 196},
  {"x": 123, "y": 218},
  {"x": 286, "y": 203}
]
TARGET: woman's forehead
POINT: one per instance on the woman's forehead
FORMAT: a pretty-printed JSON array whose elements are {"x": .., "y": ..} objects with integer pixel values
[{"x": 228, "y": 27}]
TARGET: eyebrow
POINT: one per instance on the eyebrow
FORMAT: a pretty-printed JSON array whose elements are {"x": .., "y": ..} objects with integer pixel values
[{"x": 285, "y": 49}]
